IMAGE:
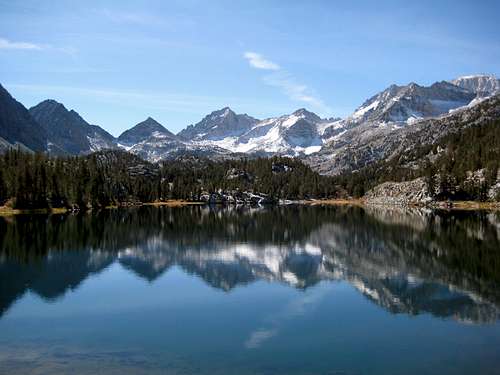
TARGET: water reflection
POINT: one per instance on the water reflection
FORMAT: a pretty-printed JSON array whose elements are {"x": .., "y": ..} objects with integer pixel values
[{"x": 406, "y": 261}]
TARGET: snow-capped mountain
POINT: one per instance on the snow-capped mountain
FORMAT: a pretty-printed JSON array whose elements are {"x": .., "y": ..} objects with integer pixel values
[
  {"x": 400, "y": 104},
  {"x": 148, "y": 129},
  {"x": 224, "y": 134},
  {"x": 370, "y": 142},
  {"x": 68, "y": 132},
  {"x": 482, "y": 85},
  {"x": 304, "y": 133},
  {"x": 218, "y": 125},
  {"x": 298, "y": 133},
  {"x": 294, "y": 134},
  {"x": 153, "y": 142},
  {"x": 150, "y": 140},
  {"x": 379, "y": 126}
]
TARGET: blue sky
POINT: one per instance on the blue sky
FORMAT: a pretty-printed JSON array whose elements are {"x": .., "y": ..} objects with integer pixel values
[{"x": 117, "y": 62}]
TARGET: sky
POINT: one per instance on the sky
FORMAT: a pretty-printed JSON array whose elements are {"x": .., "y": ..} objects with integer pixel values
[{"x": 118, "y": 62}]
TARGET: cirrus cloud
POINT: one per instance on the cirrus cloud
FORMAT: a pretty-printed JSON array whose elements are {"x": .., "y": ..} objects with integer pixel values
[
  {"x": 7, "y": 44},
  {"x": 286, "y": 82},
  {"x": 257, "y": 61}
]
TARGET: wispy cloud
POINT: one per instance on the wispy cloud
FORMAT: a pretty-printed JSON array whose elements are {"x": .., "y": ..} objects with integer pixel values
[
  {"x": 285, "y": 81},
  {"x": 257, "y": 61},
  {"x": 7, "y": 44},
  {"x": 147, "y": 100},
  {"x": 171, "y": 21},
  {"x": 120, "y": 16},
  {"x": 153, "y": 98},
  {"x": 297, "y": 91}
]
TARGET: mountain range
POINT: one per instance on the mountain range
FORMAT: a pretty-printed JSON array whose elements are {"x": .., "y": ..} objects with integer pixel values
[{"x": 330, "y": 146}]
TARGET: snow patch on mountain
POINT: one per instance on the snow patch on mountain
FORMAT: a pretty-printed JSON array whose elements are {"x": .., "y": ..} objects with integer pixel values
[
  {"x": 482, "y": 85},
  {"x": 301, "y": 133},
  {"x": 218, "y": 125},
  {"x": 294, "y": 134},
  {"x": 363, "y": 110}
]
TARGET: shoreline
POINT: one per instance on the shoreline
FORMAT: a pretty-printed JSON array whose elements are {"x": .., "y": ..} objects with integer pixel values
[
  {"x": 454, "y": 205},
  {"x": 8, "y": 211},
  {"x": 334, "y": 202},
  {"x": 441, "y": 205},
  {"x": 174, "y": 203},
  {"x": 471, "y": 205}
]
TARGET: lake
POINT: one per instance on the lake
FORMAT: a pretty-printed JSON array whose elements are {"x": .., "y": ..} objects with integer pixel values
[{"x": 279, "y": 290}]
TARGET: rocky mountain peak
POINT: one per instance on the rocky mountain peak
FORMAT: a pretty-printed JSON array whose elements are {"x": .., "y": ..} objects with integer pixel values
[
  {"x": 144, "y": 130},
  {"x": 218, "y": 125},
  {"x": 412, "y": 86},
  {"x": 151, "y": 124},
  {"x": 67, "y": 131},
  {"x": 400, "y": 104},
  {"x": 223, "y": 113},
  {"x": 49, "y": 106},
  {"x": 304, "y": 113},
  {"x": 481, "y": 84},
  {"x": 51, "y": 102},
  {"x": 17, "y": 126},
  {"x": 50, "y": 113}
]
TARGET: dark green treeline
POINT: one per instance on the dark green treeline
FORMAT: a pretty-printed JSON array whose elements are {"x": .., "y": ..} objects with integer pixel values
[{"x": 30, "y": 181}]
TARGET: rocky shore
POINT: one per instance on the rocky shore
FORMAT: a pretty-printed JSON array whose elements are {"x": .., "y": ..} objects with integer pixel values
[
  {"x": 406, "y": 193},
  {"x": 416, "y": 193}
]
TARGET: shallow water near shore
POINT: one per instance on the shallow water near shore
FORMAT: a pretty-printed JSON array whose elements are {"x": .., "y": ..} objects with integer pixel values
[{"x": 278, "y": 290}]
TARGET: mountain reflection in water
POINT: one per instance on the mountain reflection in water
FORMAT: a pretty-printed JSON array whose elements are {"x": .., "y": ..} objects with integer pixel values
[{"x": 406, "y": 261}]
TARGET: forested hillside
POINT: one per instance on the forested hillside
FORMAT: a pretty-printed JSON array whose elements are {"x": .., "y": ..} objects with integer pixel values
[
  {"x": 117, "y": 177},
  {"x": 463, "y": 165}
]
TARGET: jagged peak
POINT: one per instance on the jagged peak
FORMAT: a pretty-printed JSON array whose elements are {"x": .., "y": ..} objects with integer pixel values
[
  {"x": 412, "y": 86},
  {"x": 302, "y": 112},
  {"x": 52, "y": 103},
  {"x": 475, "y": 76},
  {"x": 448, "y": 86},
  {"x": 53, "y": 106},
  {"x": 223, "y": 112}
]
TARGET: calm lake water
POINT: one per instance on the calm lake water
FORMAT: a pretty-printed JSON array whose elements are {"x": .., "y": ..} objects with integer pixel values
[{"x": 284, "y": 290}]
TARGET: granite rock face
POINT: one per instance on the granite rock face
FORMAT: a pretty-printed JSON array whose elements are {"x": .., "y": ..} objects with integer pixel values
[
  {"x": 218, "y": 125},
  {"x": 406, "y": 193},
  {"x": 482, "y": 85},
  {"x": 371, "y": 142},
  {"x": 494, "y": 191}
]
